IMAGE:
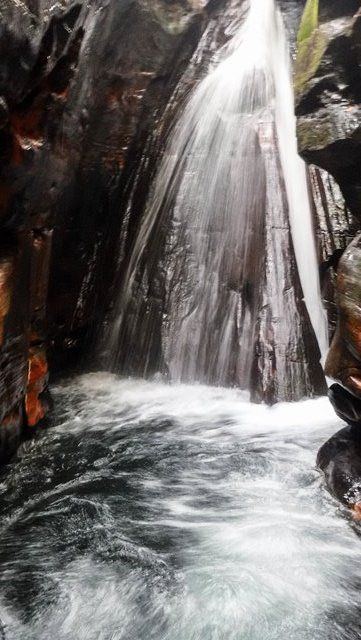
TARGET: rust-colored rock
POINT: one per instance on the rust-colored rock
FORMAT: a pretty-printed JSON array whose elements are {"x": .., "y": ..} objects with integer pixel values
[
  {"x": 36, "y": 384},
  {"x": 6, "y": 273}
]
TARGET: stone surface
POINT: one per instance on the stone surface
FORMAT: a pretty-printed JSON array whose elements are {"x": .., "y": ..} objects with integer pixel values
[
  {"x": 327, "y": 81},
  {"x": 335, "y": 227},
  {"x": 87, "y": 92},
  {"x": 340, "y": 461},
  {"x": 346, "y": 405},
  {"x": 344, "y": 358},
  {"x": 340, "y": 457},
  {"x": 286, "y": 359},
  {"x": 82, "y": 86}
]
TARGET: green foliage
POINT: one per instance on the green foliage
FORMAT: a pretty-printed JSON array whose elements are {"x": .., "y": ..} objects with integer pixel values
[{"x": 309, "y": 20}]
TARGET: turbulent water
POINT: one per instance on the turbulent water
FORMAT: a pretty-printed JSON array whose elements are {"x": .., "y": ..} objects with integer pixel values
[
  {"x": 217, "y": 198},
  {"x": 162, "y": 512}
]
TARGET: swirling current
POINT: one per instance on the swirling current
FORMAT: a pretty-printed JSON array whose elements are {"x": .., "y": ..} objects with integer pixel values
[{"x": 170, "y": 512}]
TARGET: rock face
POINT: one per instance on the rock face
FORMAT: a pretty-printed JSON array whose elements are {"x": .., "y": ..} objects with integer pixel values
[
  {"x": 156, "y": 300},
  {"x": 82, "y": 85},
  {"x": 87, "y": 91},
  {"x": 340, "y": 457},
  {"x": 344, "y": 358},
  {"x": 340, "y": 461},
  {"x": 286, "y": 355},
  {"x": 327, "y": 81},
  {"x": 328, "y": 103}
]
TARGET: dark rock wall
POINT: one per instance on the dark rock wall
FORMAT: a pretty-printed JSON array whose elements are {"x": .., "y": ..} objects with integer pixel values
[
  {"x": 286, "y": 358},
  {"x": 328, "y": 92},
  {"x": 138, "y": 349},
  {"x": 335, "y": 226},
  {"x": 82, "y": 84},
  {"x": 87, "y": 92}
]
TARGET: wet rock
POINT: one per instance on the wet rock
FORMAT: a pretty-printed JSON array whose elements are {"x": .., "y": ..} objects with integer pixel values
[
  {"x": 286, "y": 358},
  {"x": 36, "y": 384},
  {"x": 142, "y": 331},
  {"x": 335, "y": 227},
  {"x": 81, "y": 87},
  {"x": 346, "y": 405},
  {"x": 344, "y": 358},
  {"x": 327, "y": 82},
  {"x": 340, "y": 461},
  {"x": 340, "y": 457}
]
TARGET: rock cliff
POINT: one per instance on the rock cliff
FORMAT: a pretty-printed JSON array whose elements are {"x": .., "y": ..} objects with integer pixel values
[
  {"x": 327, "y": 83},
  {"x": 82, "y": 85}
]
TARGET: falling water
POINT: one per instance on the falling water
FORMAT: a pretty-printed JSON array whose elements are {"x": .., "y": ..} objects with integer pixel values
[
  {"x": 294, "y": 171},
  {"x": 211, "y": 189}
]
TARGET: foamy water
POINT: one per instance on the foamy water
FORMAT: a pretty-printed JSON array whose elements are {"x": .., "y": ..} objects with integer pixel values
[{"x": 175, "y": 513}]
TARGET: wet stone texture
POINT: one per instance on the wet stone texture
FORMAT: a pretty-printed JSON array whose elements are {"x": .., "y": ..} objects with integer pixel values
[
  {"x": 344, "y": 358},
  {"x": 327, "y": 82},
  {"x": 87, "y": 92},
  {"x": 335, "y": 227},
  {"x": 81, "y": 86},
  {"x": 286, "y": 354}
]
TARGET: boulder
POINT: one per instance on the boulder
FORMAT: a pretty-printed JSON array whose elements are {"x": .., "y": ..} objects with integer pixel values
[
  {"x": 340, "y": 460},
  {"x": 344, "y": 358}
]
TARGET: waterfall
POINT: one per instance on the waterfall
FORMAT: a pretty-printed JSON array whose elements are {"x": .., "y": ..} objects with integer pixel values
[
  {"x": 211, "y": 192},
  {"x": 294, "y": 171}
]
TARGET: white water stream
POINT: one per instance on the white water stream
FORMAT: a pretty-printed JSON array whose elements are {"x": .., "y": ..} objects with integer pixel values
[
  {"x": 294, "y": 172},
  {"x": 158, "y": 512}
]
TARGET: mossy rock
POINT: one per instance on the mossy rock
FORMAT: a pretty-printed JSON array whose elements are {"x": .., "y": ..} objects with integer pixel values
[
  {"x": 312, "y": 43},
  {"x": 314, "y": 135},
  {"x": 309, "y": 21}
]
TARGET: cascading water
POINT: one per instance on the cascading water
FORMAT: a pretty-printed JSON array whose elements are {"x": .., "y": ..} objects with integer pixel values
[
  {"x": 294, "y": 171},
  {"x": 211, "y": 191}
]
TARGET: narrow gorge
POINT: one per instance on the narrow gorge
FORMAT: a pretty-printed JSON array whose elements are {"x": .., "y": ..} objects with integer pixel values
[{"x": 180, "y": 320}]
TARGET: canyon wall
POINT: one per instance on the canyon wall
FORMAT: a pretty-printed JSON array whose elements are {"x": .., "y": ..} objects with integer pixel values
[
  {"x": 82, "y": 87},
  {"x": 88, "y": 91},
  {"x": 328, "y": 94}
]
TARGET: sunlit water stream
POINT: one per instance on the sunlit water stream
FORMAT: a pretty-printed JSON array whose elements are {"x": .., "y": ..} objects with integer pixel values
[{"x": 162, "y": 512}]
